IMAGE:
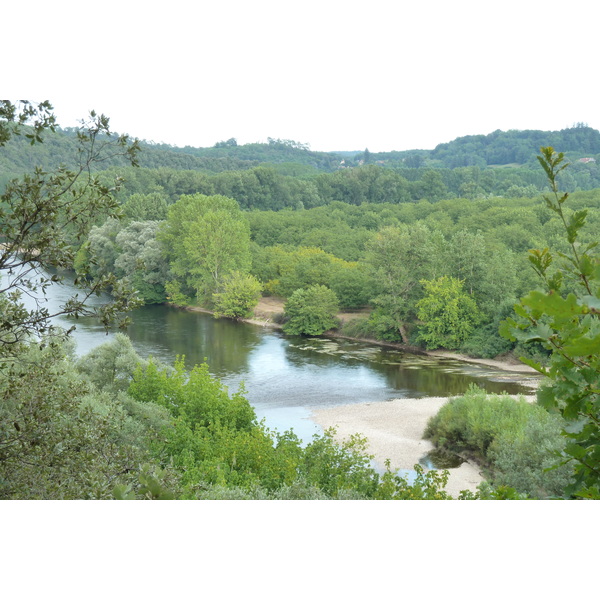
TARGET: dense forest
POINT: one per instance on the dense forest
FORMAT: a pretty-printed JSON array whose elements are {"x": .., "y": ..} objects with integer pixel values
[{"x": 432, "y": 249}]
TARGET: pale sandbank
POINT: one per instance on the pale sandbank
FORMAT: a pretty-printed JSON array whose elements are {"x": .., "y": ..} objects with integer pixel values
[{"x": 394, "y": 430}]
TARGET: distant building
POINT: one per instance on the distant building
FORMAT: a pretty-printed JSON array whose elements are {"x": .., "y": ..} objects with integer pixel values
[{"x": 587, "y": 160}]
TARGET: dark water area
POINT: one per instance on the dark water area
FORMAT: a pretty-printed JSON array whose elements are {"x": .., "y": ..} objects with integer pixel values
[{"x": 284, "y": 377}]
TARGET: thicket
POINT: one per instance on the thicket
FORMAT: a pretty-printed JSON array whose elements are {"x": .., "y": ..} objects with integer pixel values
[
  {"x": 519, "y": 443},
  {"x": 380, "y": 256},
  {"x": 113, "y": 425}
]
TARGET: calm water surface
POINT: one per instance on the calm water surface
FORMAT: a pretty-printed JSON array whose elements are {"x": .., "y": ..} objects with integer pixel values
[{"x": 286, "y": 376}]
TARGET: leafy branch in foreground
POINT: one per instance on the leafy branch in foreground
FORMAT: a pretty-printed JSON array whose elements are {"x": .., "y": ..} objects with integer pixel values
[
  {"x": 44, "y": 216},
  {"x": 567, "y": 324},
  {"x": 25, "y": 115}
]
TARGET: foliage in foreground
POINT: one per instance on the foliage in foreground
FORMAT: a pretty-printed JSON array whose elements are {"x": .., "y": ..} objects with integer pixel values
[
  {"x": 519, "y": 442},
  {"x": 564, "y": 318},
  {"x": 44, "y": 216},
  {"x": 62, "y": 437}
]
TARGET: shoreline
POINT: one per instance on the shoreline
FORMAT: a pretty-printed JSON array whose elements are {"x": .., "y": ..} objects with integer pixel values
[
  {"x": 394, "y": 429},
  {"x": 510, "y": 365}
]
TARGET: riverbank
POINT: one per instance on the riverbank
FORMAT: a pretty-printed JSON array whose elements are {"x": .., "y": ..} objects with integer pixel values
[
  {"x": 269, "y": 307},
  {"x": 394, "y": 431}
]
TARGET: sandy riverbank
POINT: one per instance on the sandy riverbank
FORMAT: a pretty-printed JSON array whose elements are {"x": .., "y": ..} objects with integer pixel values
[
  {"x": 395, "y": 431},
  {"x": 513, "y": 365}
]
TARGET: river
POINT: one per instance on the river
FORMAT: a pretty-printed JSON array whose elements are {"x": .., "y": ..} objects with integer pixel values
[{"x": 285, "y": 376}]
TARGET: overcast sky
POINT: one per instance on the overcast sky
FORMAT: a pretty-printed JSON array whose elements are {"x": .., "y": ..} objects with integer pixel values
[{"x": 337, "y": 75}]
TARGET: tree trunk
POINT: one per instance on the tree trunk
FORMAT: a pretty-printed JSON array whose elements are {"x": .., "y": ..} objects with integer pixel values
[{"x": 403, "y": 333}]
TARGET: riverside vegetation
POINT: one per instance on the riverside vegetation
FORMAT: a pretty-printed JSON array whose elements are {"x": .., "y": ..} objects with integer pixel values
[{"x": 111, "y": 424}]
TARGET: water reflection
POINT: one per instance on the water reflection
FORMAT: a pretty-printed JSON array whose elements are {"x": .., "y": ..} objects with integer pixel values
[
  {"x": 165, "y": 332},
  {"x": 284, "y": 376},
  {"x": 405, "y": 374}
]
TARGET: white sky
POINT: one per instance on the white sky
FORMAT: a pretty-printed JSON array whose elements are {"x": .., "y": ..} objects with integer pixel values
[{"x": 338, "y": 75}]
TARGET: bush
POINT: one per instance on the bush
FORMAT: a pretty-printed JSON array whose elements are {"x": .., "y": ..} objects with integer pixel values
[
  {"x": 518, "y": 441},
  {"x": 449, "y": 314},
  {"x": 358, "y": 328},
  {"x": 311, "y": 311},
  {"x": 527, "y": 461},
  {"x": 383, "y": 326},
  {"x": 238, "y": 296}
]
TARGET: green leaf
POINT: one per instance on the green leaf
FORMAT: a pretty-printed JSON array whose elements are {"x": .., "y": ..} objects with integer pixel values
[
  {"x": 123, "y": 492},
  {"x": 587, "y": 265},
  {"x": 539, "y": 333},
  {"x": 575, "y": 451},
  {"x": 583, "y": 346},
  {"x": 576, "y": 222},
  {"x": 534, "y": 365},
  {"x": 546, "y": 397},
  {"x": 553, "y": 304}
]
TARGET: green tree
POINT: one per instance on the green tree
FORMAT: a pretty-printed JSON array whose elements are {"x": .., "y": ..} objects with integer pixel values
[
  {"x": 238, "y": 296},
  {"x": 130, "y": 253},
  {"x": 352, "y": 285},
  {"x": 431, "y": 186},
  {"x": 97, "y": 256},
  {"x": 466, "y": 257},
  {"x": 141, "y": 261},
  {"x": 146, "y": 207},
  {"x": 564, "y": 318},
  {"x": 299, "y": 268},
  {"x": 111, "y": 365},
  {"x": 311, "y": 311},
  {"x": 45, "y": 216},
  {"x": 399, "y": 258},
  {"x": 205, "y": 238},
  {"x": 448, "y": 314}
]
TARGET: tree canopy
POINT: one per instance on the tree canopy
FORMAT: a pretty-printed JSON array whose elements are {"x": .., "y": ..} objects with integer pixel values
[{"x": 44, "y": 216}]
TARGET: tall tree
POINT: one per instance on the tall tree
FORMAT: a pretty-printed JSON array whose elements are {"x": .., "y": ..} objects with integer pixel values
[
  {"x": 399, "y": 258},
  {"x": 205, "y": 238}
]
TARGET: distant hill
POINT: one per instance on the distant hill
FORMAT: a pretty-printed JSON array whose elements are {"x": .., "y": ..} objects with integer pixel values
[
  {"x": 275, "y": 151},
  {"x": 497, "y": 148},
  {"x": 516, "y": 148},
  {"x": 58, "y": 148}
]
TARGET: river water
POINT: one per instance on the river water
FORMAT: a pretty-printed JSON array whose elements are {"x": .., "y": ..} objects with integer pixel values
[{"x": 285, "y": 376}]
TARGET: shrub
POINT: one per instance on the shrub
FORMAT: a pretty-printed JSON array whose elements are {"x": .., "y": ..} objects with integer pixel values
[
  {"x": 361, "y": 327},
  {"x": 448, "y": 313},
  {"x": 238, "y": 296},
  {"x": 518, "y": 441},
  {"x": 311, "y": 311}
]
